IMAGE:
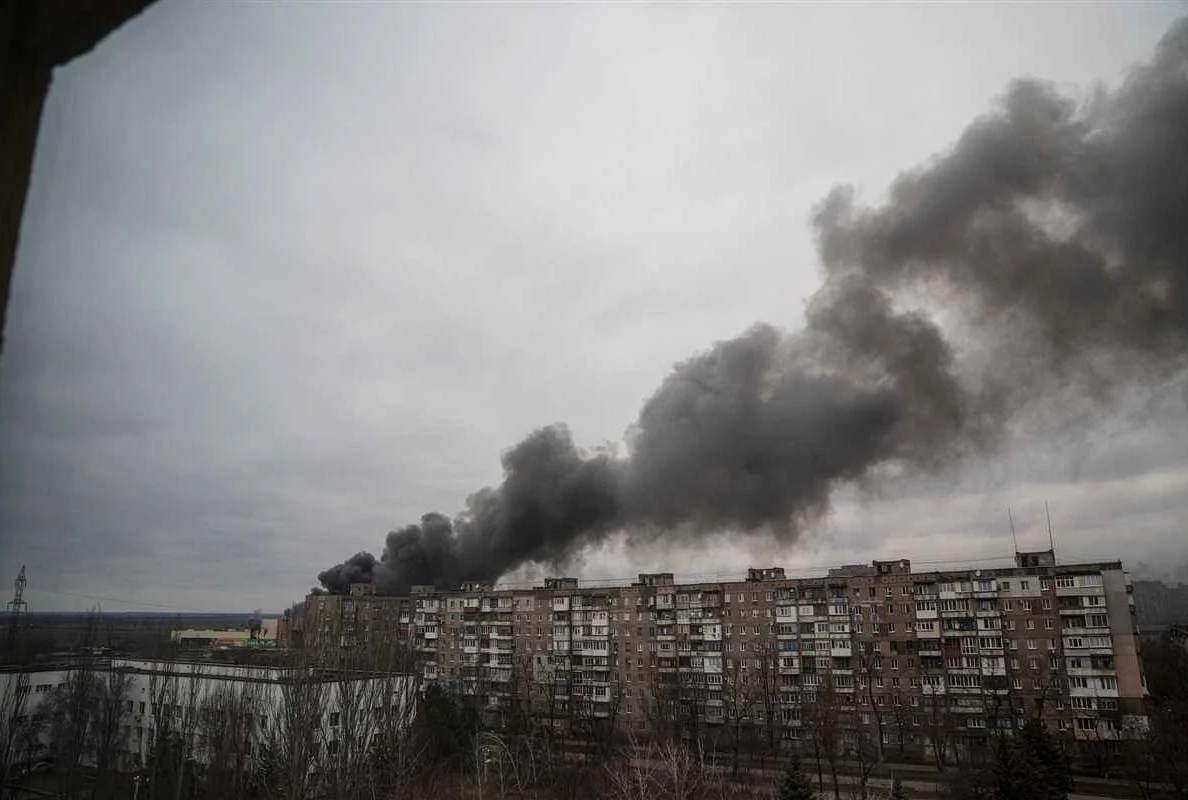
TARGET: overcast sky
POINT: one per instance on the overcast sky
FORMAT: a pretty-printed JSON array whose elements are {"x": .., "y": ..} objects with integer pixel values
[{"x": 292, "y": 275}]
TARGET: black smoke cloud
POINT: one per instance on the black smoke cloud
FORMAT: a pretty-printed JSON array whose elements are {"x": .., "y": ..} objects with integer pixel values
[
  {"x": 359, "y": 568},
  {"x": 1056, "y": 231}
]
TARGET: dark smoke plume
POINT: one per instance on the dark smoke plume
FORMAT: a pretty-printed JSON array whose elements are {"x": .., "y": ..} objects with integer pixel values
[
  {"x": 1056, "y": 233},
  {"x": 359, "y": 568}
]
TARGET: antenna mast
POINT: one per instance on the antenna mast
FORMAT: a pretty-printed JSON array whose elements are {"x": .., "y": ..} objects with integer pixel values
[
  {"x": 1014, "y": 538},
  {"x": 1051, "y": 541}
]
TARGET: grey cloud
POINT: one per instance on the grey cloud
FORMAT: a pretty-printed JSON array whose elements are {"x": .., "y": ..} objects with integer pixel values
[
  {"x": 759, "y": 431},
  {"x": 288, "y": 280}
]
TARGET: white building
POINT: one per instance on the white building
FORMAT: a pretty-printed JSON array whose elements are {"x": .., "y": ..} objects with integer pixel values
[{"x": 186, "y": 699}]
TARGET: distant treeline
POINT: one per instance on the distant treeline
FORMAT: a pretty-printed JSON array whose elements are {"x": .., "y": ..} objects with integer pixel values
[{"x": 132, "y": 633}]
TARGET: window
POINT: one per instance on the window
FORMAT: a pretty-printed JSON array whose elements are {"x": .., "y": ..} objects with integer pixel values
[
  {"x": 1048, "y": 624},
  {"x": 1008, "y": 605},
  {"x": 1074, "y": 642},
  {"x": 1109, "y": 683},
  {"x": 1078, "y": 682},
  {"x": 1091, "y": 580},
  {"x": 1086, "y": 724},
  {"x": 1005, "y": 585},
  {"x": 1025, "y": 605},
  {"x": 1024, "y": 585},
  {"x": 1030, "y": 624},
  {"x": 1031, "y": 644},
  {"x": 1046, "y": 604},
  {"x": 1065, "y": 581}
]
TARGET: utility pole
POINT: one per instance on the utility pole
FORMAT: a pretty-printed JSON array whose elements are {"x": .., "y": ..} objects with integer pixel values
[
  {"x": 15, "y": 606},
  {"x": 20, "y": 688}
]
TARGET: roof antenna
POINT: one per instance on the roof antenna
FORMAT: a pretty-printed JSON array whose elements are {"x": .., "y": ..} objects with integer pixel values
[
  {"x": 1013, "y": 537},
  {"x": 1051, "y": 541}
]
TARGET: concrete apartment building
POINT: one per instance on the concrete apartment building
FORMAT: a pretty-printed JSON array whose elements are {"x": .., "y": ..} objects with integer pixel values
[
  {"x": 173, "y": 694},
  {"x": 930, "y": 660}
]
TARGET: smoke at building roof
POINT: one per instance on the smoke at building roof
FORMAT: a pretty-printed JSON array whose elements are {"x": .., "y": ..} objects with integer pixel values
[{"x": 1058, "y": 231}]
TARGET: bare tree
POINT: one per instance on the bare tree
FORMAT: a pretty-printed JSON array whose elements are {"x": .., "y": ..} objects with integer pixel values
[
  {"x": 228, "y": 718},
  {"x": 398, "y": 752},
  {"x": 822, "y": 717},
  {"x": 293, "y": 738},
  {"x": 18, "y": 732},
  {"x": 113, "y": 691},
  {"x": 162, "y": 746},
  {"x": 740, "y": 697},
  {"x": 664, "y": 769},
  {"x": 73, "y": 708},
  {"x": 1157, "y": 747},
  {"x": 356, "y": 699},
  {"x": 867, "y": 744},
  {"x": 662, "y": 707},
  {"x": 767, "y": 680},
  {"x": 187, "y": 717}
]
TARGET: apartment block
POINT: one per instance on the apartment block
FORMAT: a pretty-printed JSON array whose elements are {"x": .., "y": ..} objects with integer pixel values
[
  {"x": 925, "y": 661},
  {"x": 172, "y": 696}
]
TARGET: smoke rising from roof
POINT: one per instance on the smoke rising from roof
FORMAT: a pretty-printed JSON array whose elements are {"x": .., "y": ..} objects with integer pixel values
[
  {"x": 359, "y": 568},
  {"x": 1057, "y": 229}
]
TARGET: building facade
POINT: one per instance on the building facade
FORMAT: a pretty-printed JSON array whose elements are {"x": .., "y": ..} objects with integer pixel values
[
  {"x": 195, "y": 700},
  {"x": 930, "y": 662}
]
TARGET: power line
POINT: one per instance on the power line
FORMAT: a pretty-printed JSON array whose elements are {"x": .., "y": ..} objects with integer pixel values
[{"x": 127, "y": 602}]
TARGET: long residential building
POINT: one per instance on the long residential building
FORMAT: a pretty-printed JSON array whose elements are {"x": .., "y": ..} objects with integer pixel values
[
  {"x": 141, "y": 700},
  {"x": 930, "y": 661}
]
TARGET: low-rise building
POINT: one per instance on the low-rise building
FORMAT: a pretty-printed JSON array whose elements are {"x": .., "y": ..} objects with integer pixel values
[{"x": 199, "y": 702}]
